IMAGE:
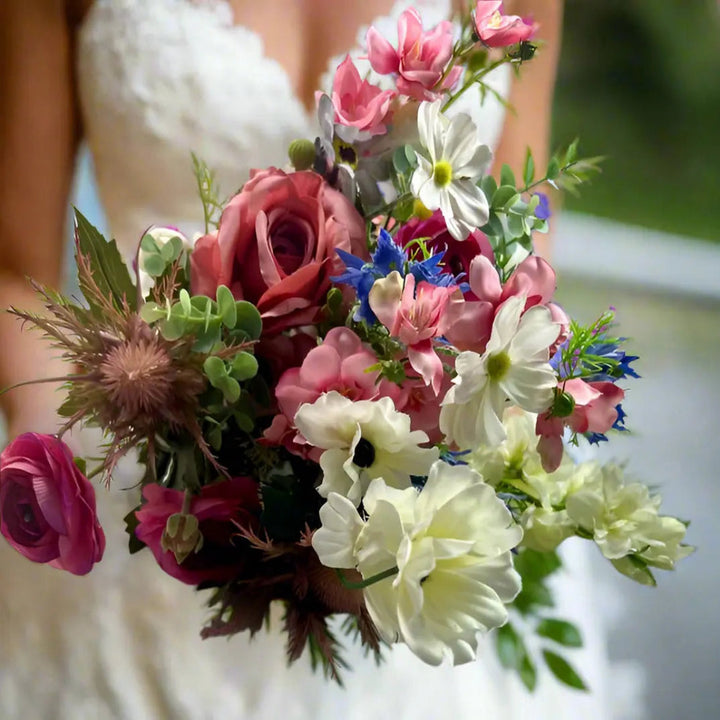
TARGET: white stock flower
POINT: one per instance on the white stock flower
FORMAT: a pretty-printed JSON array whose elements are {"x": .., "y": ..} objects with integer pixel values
[
  {"x": 451, "y": 546},
  {"x": 514, "y": 369},
  {"x": 363, "y": 440},
  {"x": 447, "y": 177},
  {"x": 623, "y": 520}
]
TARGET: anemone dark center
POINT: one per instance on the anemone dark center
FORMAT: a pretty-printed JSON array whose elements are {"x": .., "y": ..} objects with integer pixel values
[{"x": 364, "y": 455}]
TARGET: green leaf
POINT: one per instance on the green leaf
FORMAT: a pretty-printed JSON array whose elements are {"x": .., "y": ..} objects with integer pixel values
[
  {"x": 528, "y": 673},
  {"x": 400, "y": 161},
  {"x": 248, "y": 322},
  {"x": 148, "y": 244},
  {"x": 226, "y": 306},
  {"x": 244, "y": 366},
  {"x": 510, "y": 647},
  {"x": 131, "y": 523},
  {"x": 488, "y": 185},
  {"x": 571, "y": 154},
  {"x": 636, "y": 569},
  {"x": 505, "y": 195},
  {"x": 563, "y": 671},
  {"x": 553, "y": 169},
  {"x": 215, "y": 369},
  {"x": 153, "y": 264},
  {"x": 506, "y": 176},
  {"x": 109, "y": 271},
  {"x": 560, "y": 631},
  {"x": 171, "y": 250},
  {"x": 529, "y": 168},
  {"x": 80, "y": 464}
]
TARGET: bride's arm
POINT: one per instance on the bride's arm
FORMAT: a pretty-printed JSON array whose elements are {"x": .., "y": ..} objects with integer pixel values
[{"x": 38, "y": 136}]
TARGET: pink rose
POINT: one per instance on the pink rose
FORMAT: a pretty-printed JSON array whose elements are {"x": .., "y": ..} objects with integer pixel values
[
  {"x": 458, "y": 254},
  {"x": 360, "y": 107},
  {"x": 341, "y": 363},
  {"x": 421, "y": 57},
  {"x": 275, "y": 246},
  {"x": 218, "y": 507},
  {"x": 498, "y": 30},
  {"x": 47, "y": 506}
]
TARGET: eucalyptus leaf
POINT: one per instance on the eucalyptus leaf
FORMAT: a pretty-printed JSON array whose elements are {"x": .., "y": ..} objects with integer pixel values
[
  {"x": 244, "y": 366},
  {"x": 226, "y": 307},
  {"x": 504, "y": 195},
  {"x": 249, "y": 322},
  {"x": 148, "y": 244},
  {"x": 153, "y": 264}
]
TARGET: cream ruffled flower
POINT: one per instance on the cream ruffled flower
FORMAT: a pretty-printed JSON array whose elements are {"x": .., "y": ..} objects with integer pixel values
[
  {"x": 447, "y": 177},
  {"x": 623, "y": 520},
  {"x": 514, "y": 369},
  {"x": 451, "y": 546},
  {"x": 363, "y": 440}
]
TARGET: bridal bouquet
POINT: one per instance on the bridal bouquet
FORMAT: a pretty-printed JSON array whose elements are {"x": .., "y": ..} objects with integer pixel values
[{"x": 354, "y": 394}]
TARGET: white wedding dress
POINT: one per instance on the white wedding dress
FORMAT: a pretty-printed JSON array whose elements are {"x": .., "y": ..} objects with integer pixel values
[{"x": 157, "y": 79}]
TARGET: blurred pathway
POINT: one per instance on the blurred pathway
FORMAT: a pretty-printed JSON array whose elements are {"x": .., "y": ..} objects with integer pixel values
[{"x": 667, "y": 294}]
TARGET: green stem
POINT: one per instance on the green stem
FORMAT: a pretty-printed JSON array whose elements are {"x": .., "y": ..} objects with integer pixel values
[
  {"x": 350, "y": 585},
  {"x": 64, "y": 378},
  {"x": 473, "y": 79}
]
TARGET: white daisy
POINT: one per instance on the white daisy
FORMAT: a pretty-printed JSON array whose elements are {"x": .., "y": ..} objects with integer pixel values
[
  {"x": 451, "y": 546},
  {"x": 514, "y": 369},
  {"x": 447, "y": 177},
  {"x": 363, "y": 440}
]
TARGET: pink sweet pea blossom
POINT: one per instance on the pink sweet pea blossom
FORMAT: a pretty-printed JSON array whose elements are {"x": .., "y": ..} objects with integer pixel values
[
  {"x": 498, "y": 30},
  {"x": 595, "y": 411},
  {"x": 47, "y": 506},
  {"x": 421, "y": 57},
  {"x": 360, "y": 107},
  {"x": 415, "y": 316},
  {"x": 341, "y": 363},
  {"x": 470, "y": 322}
]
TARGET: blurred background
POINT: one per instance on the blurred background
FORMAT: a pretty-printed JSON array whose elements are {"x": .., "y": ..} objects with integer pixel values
[{"x": 639, "y": 83}]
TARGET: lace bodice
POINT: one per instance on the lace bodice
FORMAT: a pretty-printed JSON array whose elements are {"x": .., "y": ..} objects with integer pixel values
[{"x": 160, "y": 79}]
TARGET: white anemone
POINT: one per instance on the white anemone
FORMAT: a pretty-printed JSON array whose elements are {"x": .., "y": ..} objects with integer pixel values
[
  {"x": 451, "y": 546},
  {"x": 363, "y": 440},
  {"x": 514, "y": 369},
  {"x": 449, "y": 165}
]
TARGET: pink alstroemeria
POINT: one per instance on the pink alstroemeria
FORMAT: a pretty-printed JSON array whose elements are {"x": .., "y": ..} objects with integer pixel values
[
  {"x": 414, "y": 315},
  {"x": 340, "y": 363},
  {"x": 421, "y": 57},
  {"x": 497, "y": 30},
  {"x": 595, "y": 411},
  {"x": 360, "y": 106},
  {"x": 470, "y": 322}
]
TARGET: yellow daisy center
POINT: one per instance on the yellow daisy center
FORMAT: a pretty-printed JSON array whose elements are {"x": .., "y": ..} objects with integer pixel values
[{"x": 442, "y": 173}]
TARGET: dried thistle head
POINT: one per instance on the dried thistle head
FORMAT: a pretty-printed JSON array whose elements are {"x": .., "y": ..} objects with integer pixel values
[{"x": 128, "y": 379}]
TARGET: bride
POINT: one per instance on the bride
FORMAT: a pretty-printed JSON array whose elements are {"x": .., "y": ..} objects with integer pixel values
[{"x": 145, "y": 82}]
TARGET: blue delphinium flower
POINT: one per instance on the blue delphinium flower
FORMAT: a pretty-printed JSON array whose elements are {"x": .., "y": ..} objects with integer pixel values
[
  {"x": 542, "y": 211},
  {"x": 388, "y": 257}
]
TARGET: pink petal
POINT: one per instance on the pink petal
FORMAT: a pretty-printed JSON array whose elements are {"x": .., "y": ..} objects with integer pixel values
[
  {"x": 382, "y": 55},
  {"x": 484, "y": 280}
]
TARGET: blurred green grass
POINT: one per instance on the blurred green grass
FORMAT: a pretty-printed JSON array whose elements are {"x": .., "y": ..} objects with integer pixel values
[{"x": 639, "y": 83}]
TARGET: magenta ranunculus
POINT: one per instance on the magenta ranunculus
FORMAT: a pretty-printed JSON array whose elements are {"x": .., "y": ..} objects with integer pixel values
[
  {"x": 458, "y": 254},
  {"x": 47, "y": 506},
  {"x": 276, "y": 244},
  {"x": 497, "y": 30},
  {"x": 219, "y": 509},
  {"x": 420, "y": 59}
]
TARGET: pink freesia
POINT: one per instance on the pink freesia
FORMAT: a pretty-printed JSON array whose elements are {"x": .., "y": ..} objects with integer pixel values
[
  {"x": 595, "y": 411},
  {"x": 421, "y": 57},
  {"x": 359, "y": 105},
  {"x": 47, "y": 506},
  {"x": 341, "y": 363},
  {"x": 457, "y": 255},
  {"x": 219, "y": 509},
  {"x": 470, "y": 322},
  {"x": 275, "y": 246},
  {"x": 414, "y": 316},
  {"x": 497, "y": 30}
]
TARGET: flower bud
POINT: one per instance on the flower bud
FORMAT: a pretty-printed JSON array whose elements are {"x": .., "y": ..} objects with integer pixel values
[
  {"x": 302, "y": 154},
  {"x": 182, "y": 536}
]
